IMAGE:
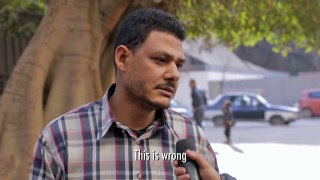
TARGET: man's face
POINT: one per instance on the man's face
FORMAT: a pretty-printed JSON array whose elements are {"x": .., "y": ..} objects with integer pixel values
[
  {"x": 192, "y": 84},
  {"x": 152, "y": 73}
]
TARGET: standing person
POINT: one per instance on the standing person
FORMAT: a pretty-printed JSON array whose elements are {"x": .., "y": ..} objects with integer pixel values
[
  {"x": 228, "y": 120},
  {"x": 199, "y": 101},
  {"x": 123, "y": 135}
]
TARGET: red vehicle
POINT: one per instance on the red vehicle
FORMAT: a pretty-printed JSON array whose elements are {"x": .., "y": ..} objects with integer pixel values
[{"x": 310, "y": 103}]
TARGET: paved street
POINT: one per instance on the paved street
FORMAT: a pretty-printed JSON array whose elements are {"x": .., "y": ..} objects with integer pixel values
[
  {"x": 269, "y": 161},
  {"x": 306, "y": 131},
  {"x": 264, "y": 152}
]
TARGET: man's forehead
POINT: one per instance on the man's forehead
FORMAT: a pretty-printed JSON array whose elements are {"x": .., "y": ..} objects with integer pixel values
[{"x": 166, "y": 44}]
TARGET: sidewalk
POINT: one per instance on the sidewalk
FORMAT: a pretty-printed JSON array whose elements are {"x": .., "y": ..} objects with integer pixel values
[{"x": 265, "y": 161}]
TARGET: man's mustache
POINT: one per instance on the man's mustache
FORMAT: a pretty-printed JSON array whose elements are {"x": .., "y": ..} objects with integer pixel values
[{"x": 167, "y": 84}]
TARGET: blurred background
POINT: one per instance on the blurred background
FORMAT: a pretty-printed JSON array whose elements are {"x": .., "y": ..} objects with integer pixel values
[{"x": 261, "y": 55}]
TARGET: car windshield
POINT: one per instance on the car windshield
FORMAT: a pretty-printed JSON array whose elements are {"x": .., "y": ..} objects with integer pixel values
[
  {"x": 263, "y": 100},
  {"x": 219, "y": 99}
]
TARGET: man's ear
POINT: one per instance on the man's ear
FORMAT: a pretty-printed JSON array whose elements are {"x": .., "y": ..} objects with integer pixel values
[{"x": 121, "y": 57}]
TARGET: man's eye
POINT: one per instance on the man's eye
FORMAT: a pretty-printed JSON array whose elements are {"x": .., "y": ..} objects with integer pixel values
[
  {"x": 179, "y": 66},
  {"x": 160, "y": 59}
]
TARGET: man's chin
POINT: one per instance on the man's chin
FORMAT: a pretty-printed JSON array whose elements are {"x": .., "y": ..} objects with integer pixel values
[{"x": 160, "y": 104}]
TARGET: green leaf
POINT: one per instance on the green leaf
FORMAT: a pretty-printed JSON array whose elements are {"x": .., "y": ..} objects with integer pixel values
[{"x": 237, "y": 22}]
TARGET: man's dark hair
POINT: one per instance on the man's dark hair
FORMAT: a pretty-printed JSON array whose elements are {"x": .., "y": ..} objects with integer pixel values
[{"x": 135, "y": 28}]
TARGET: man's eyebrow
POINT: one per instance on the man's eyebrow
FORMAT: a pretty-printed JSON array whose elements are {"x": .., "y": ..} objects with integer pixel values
[
  {"x": 169, "y": 56},
  {"x": 182, "y": 60}
]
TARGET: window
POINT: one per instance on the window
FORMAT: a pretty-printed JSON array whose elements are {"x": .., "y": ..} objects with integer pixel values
[
  {"x": 243, "y": 101},
  {"x": 255, "y": 102},
  {"x": 315, "y": 95},
  {"x": 223, "y": 99}
]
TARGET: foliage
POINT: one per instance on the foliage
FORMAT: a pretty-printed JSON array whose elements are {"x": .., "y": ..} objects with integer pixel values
[
  {"x": 285, "y": 24},
  {"x": 15, "y": 16}
]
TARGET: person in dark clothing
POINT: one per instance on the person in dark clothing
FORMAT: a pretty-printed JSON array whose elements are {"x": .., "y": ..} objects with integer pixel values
[
  {"x": 228, "y": 120},
  {"x": 198, "y": 102}
]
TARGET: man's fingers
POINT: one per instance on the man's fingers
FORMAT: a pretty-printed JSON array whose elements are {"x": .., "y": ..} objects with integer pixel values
[
  {"x": 205, "y": 169},
  {"x": 184, "y": 177},
  {"x": 198, "y": 158},
  {"x": 175, "y": 163},
  {"x": 180, "y": 171}
]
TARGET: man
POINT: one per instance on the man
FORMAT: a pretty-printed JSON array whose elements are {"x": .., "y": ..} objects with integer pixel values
[
  {"x": 198, "y": 102},
  {"x": 228, "y": 120},
  {"x": 124, "y": 135}
]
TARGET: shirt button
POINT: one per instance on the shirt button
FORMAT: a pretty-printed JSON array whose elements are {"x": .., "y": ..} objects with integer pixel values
[
  {"x": 139, "y": 176},
  {"x": 137, "y": 142}
]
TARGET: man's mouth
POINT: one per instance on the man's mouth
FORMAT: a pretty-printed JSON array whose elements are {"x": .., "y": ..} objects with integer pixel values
[{"x": 167, "y": 91}]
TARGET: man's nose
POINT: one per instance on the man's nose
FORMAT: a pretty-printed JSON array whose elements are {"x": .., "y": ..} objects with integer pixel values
[{"x": 172, "y": 73}]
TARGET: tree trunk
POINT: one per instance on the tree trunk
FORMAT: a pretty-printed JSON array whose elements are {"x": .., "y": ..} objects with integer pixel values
[
  {"x": 58, "y": 71},
  {"x": 111, "y": 15},
  {"x": 74, "y": 63},
  {"x": 21, "y": 109},
  {"x": 75, "y": 73}
]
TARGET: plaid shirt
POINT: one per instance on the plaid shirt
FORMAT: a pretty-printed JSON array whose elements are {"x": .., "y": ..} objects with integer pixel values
[{"x": 89, "y": 143}]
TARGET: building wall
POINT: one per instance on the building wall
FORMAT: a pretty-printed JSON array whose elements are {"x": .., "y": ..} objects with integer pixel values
[
  {"x": 284, "y": 90},
  {"x": 209, "y": 81},
  {"x": 184, "y": 92}
]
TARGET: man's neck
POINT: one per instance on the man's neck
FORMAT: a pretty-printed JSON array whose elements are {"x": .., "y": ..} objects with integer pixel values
[{"x": 129, "y": 113}]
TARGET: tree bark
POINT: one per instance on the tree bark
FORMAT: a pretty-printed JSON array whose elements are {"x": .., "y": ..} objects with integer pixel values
[
  {"x": 21, "y": 109},
  {"x": 111, "y": 14},
  {"x": 75, "y": 74}
]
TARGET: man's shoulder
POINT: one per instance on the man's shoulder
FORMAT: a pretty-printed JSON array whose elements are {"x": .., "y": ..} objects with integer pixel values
[
  {"x": 74, "y": 117},
  {"x": 183, "y": 124},
  {"x": 176, "y": 116},
  {"x": 184, "y": 127}
]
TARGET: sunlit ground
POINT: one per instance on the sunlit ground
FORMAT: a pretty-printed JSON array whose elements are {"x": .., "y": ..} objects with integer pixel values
[{"x": 266, "y": 161}]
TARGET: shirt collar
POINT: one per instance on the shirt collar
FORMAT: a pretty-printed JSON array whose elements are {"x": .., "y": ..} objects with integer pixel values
[{"x": 107, "y": 118}]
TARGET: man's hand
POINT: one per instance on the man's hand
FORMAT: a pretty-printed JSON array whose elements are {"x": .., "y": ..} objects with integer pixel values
[{"x": 206, "y": 171}]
